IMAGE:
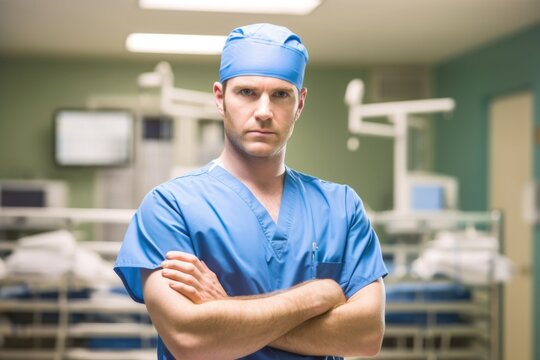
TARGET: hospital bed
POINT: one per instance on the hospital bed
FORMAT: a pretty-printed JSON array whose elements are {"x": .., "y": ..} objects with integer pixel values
[
  {"x": 67, "y": 316},
  {"x": 452, "y": 314}
]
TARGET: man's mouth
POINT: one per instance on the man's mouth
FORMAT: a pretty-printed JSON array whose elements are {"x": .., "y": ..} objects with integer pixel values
[{"x": 261, "y": 132}]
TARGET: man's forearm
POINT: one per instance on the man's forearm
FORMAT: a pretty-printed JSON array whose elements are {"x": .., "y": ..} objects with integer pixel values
[
  {"x": 352, "y": 329},
  {"x": 231, "y": 325},
  {"x": 233, "y": 328}
]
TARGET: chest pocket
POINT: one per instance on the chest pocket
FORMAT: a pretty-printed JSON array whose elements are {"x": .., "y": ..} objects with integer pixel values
[{"x": 329, "y": 270}]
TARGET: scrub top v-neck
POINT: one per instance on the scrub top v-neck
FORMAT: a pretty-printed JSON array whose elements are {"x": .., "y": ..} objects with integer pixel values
[
  {"x": 273, "y": 231},
  {"x": 276, "y": 233},
  {"x": 322, "y": 232}
]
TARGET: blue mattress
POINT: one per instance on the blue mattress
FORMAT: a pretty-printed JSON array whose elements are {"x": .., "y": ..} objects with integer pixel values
[{"x": 425, "y": 293}]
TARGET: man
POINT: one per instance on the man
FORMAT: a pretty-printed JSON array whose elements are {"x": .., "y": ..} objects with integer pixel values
[{"x": 261, "y": 262}]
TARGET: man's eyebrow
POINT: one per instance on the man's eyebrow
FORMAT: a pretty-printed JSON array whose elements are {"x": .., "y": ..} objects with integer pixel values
[
  {"x": 243, "y": 86},
  {"x": 286, "y": 89},
  {"x": 252, "y": 86}
]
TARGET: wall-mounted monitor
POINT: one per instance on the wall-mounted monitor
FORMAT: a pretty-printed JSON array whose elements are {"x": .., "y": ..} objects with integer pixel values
[{"x": 93, "y": 137}]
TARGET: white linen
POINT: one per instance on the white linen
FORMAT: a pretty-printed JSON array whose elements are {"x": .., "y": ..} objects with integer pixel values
[
  {"x": 463, "y": 256},
  {"x": 57, "y": 253}
]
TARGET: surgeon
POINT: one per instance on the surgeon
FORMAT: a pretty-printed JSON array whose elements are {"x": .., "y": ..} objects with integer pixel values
[{"x": 246, "y": 257}]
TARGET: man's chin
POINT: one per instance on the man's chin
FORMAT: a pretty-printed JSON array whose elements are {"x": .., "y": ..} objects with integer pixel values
[{"x": 261, "y": 151}]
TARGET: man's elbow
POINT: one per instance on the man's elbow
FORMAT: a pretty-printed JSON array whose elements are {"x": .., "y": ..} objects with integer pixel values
[
  {"x": 373, "y": 347},
  {"x": 188, "y": 347},
  {"x": 369, "y": 345},
  {"x": 374, "y": 342},
  {"x": 193, "y": 347},
  {"x": 181, "y": 335}
]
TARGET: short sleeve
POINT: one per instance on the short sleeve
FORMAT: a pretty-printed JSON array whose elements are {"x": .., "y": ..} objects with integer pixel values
[
  {"x": 364, "y": 263},
  {"x": 156, "y": 228}
]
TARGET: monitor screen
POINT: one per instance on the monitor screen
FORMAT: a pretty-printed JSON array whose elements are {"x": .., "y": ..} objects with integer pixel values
[
  {"x": 93, "y": 137},
  {"x": 427, "y": 197},
  {"x": 431, "y": 192},
  {"x": 22, "y": 197}
]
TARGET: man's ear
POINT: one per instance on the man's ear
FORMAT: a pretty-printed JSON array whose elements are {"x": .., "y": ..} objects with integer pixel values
[
  {"x": 219, "y": 97},
  {"x": 301, "y": 102}
]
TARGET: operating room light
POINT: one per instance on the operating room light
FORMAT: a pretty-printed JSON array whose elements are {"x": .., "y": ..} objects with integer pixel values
[
  {"x": 175, "y": 44},
  {"x": 292, "y": 7}
]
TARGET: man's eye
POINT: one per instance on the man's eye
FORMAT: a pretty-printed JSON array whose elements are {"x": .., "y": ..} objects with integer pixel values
[
  {"x": 281, "y": 94},
  {"x": 246, "y": 92}
]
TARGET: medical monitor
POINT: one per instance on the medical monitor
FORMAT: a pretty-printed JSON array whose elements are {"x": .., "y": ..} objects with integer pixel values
[
  {"x": 431, "y": 192},
  {"x": 93, "y": 137},
  {"x": 33, "y": 193}
]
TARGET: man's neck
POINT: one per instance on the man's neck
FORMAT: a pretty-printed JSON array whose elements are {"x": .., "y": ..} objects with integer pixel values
[{"x": 266, "y": 174}]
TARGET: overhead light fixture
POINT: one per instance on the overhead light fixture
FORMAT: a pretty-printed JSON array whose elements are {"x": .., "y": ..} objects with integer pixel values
[
  {"x": 175, "y": 44},
  {"x": 290, "y": 7}
]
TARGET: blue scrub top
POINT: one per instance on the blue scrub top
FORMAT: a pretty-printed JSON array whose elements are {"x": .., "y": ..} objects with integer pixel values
[{"x": 322, "y": 232}]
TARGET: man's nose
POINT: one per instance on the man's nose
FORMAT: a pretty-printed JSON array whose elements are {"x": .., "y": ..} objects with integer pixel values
[{"x": 264, "y": 109}]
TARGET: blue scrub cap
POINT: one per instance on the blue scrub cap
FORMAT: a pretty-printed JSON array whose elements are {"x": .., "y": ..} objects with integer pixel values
[{"x": 264, "y": 50}]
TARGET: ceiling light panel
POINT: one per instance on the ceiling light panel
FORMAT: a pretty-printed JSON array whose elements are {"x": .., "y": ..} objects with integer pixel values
[
  {"x": 175, "y": 44},
  {"x": 291, "y": 7}
]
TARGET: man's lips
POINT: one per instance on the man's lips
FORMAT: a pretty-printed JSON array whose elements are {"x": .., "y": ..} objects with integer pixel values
[{"x": 261, "y": 132}]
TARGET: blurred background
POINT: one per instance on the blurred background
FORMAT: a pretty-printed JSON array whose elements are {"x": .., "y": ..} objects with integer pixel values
[{"x": 92, "y": 117}]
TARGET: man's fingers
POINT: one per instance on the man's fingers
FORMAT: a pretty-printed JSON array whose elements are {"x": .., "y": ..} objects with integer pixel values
[
  {"x": 192, "y": 276},
  {"x": 188, "y": 291},
  {"x": 183, "y": 266},
  {"x": 181, "y": 277},
  {"x": 189, "y": 258},
  {"x": 180, "y": 255}
]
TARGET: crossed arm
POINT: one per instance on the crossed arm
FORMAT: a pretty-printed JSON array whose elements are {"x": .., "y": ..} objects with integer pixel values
[{"x": 196, "y": 319}]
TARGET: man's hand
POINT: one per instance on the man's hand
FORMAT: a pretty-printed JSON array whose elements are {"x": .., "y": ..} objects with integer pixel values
[{"x": 192, "y": 278}]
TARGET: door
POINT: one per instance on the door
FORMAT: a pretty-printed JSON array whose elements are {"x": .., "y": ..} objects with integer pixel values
[{"x": 511, "y": 152}]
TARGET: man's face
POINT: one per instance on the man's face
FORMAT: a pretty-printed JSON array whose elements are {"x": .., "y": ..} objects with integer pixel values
[{"x": 259, "y": 113}]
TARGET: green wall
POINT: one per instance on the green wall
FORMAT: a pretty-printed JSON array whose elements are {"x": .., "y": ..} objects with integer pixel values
[
  {"x": 31, "y": 89},
  {"x": 509, "y": 65},
  {"x": 319, "y": 143}
]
